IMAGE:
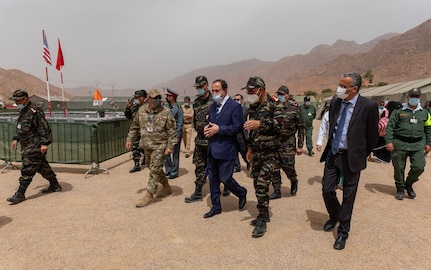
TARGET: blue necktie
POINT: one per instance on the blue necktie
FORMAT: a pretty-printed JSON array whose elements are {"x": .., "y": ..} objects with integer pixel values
[
  {"x": 336, "y": 141},
  {"x": 218, "y": 110}
]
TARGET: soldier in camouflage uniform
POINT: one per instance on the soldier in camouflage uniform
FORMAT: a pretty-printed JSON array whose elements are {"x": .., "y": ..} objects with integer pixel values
[
  {"x": 139, "y": 99},
  {"x": 264, "y": 124},
  {"x": 292, "y": 123},
  {"x": 34, "y": 135},
  {"x": 201, "y": 107},
  {"x": 158, "y": 137},
  {"x": 308, "y": 114}
]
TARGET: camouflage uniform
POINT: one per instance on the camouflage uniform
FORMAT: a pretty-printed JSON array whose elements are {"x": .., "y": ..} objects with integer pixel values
[
  {"x": 201, "y": 109},
  {"x": 157, "y": 131},
  {"x": 265, "y": 144},
  {"x": 33, "y": 131},
  {"x": 292, "y": 122},
  {"x": 137, "y": 152}
]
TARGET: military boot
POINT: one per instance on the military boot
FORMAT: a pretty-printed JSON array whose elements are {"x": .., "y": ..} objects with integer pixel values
[
  {"x": 135, "y": 168},
  {"x": 54, "y": 186},
  {"x": 166, "y": 190},
  {"x": 400, "y": 193},
  {"x": 260, "y": 227},
  {"x": 293, "y": 186},
  {"x": 276, "y": 194},
  {"x": 265, "y": 217},
  {"x": 146, "y": 200},
  {"x": 18, "y": 196},
  {"x": 196, "y": 196}
]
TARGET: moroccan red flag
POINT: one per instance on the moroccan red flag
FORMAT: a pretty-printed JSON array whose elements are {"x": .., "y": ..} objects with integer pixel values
[{"x": 60, "y": 59}]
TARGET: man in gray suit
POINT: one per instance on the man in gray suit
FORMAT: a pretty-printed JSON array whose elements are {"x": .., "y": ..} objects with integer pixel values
[{"x": 353, "y": 133}]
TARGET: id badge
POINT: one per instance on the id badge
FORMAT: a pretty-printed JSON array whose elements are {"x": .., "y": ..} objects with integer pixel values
[{"x": 413, "y": 121}]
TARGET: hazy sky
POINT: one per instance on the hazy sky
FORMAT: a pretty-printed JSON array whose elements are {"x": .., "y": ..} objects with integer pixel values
[{"x": 139, "y": 43}]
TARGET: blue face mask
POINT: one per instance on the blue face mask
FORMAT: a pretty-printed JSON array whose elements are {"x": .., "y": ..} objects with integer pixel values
[
  {"x": 217, "y": 98},
  {"x": 20, "y": 106},
  {"x": 308, "y": 103},
  {"x": 136, "y": 101},
  {"x": 381, "y": 107},
  {"x": 282, "y": 98},
  {"x": 414, "y": 101},
  {"x": 201, "y": 91}
]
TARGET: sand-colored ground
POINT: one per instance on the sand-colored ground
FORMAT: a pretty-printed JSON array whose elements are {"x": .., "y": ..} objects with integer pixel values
[{"x": 93, "y": 224}]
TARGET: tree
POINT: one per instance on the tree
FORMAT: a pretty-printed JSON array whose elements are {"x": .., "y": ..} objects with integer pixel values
[
  {"x": 310, "y": 93},
  {"x": 369, "y": 75}
]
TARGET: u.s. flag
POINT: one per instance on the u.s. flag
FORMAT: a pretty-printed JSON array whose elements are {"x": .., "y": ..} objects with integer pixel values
[{"x": 46, "y": 54}]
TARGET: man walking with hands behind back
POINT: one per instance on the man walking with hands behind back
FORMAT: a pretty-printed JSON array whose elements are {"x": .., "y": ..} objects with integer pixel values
[
  {"x": 224, "y": 123},
  {"x": 405, "y": 138},
  {"x": 353, "y": 133},
  {"x": 34, "y": 135}
]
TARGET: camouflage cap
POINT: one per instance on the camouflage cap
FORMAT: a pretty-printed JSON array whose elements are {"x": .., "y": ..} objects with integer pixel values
[
  {"x": 172, "y": 91},
  {"x": 254, "y": 82},
  {"x": 154, "y": 93},
  {"x": 19, "y": 94},
  {"x": 200, "y": 80},
  {"x": 415, "y": 92},
  {"x": 141, "y": 93},
  {"x": 283, "y": 90}
]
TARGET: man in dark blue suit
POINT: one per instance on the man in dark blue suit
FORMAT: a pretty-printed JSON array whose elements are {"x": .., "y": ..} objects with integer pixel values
[
  {"x": 225, "y": 121},
  {"x": 353, "y": 133}
]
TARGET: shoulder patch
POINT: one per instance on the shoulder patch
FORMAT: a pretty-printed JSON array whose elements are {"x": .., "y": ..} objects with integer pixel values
[{"x": 33, "y": 110}]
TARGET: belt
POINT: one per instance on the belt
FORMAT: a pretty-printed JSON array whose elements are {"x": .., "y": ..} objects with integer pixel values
[
  {"x": 408, "y": 139},
  {"x": 342, "y": 152}
]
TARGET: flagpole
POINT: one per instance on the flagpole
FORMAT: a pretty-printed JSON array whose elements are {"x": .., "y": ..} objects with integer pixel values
[
  {"x": 47, "y": 90},
  {"x": 62, "y": 92}
]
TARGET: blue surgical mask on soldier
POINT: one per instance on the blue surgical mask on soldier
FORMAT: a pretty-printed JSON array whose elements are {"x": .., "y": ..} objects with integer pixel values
[
  {"x": 414, "y": 101},
  {"x": 20, "y": 106},
  {"x": 200, "y": 91},
  {"x": 308, "y": 103},
  {"x": 341, "y": 92},
  {"x": 157, "y": 102},
  {"x": 136, "y": 101},
  {"x": 217, "y": 98},
  {"x": 282, "y": 98},
  {"x": 186, "y": 104}
]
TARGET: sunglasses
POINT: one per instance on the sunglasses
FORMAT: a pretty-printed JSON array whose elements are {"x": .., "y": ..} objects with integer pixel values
[{"x": 237, "y": 99}]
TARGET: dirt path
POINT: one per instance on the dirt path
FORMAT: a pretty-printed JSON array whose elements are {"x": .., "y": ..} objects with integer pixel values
[{"x": 93, "y": 224}]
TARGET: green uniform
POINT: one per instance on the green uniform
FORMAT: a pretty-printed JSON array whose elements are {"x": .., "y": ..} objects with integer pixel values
[
  {"x": 408, "y": 131},
  {"x": 265, "y": 144},
  {"x": 158, "y": 132},
  {"x": 308, "y": 114},
  {"x": 292, "y": 124},
  {"x": 130, "y": 114}
]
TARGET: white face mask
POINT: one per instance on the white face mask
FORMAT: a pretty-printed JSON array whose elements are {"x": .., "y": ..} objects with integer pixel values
[
  {"x": 136, "y": 101},
  {"x": 217, "y": 98},
  {"x": 341, "y": 92},
  {"x": 253, "y": 98}
]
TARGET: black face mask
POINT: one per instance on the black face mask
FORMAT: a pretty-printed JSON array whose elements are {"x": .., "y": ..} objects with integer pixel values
[{"x": 167, "y": 99}]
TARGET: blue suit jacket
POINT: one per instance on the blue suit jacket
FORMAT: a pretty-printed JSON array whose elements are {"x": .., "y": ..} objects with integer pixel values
[{"x": 223, "y": 145}]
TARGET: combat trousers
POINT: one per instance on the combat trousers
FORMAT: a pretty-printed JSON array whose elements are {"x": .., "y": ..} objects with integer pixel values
[
  {"x": 417, "y": 165},
  {"x": 264, "y": 164},
  {"x": 200, "y": 159},
  {"x": 187, "y": 137},
  {"x": 35, "y": 162},
  {"x": 309, "y": 137},
  {"x": 155, "y": 160}
]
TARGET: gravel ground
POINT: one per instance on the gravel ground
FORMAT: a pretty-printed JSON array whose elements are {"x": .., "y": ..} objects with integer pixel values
[{"x": 93, "y": 224}]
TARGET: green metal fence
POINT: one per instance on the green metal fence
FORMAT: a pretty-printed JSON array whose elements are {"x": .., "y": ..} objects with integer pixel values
[{"x": 75, "y": 141}]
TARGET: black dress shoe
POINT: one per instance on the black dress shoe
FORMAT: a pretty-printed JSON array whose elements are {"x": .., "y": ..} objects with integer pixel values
[
  {"x": 172, "y": 176},
  {"x": 400, "y": 194},
  {"x": 340, "y": 243},
  {"x": 242, "y": 201},
  {"x": 237, "y": 170},
  {"x": 211, "y": 213},
  {"x": 260, "y": 228},
  {"x": 294, "y": 187},
  {"x": 168, "y": 173},
  {"x": 329, "y": 225},
  {"x": 226, "y": 192},
  {"x": 410, "y": 192}
]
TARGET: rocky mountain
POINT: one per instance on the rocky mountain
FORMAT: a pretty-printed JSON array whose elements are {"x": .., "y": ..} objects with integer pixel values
[{"x": 13, "y": 79}]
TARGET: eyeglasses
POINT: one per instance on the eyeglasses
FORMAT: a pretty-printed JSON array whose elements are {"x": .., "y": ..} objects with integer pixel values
[
  {"x": 237, "y": 99},
  {"x": 169, "y": 95}
]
